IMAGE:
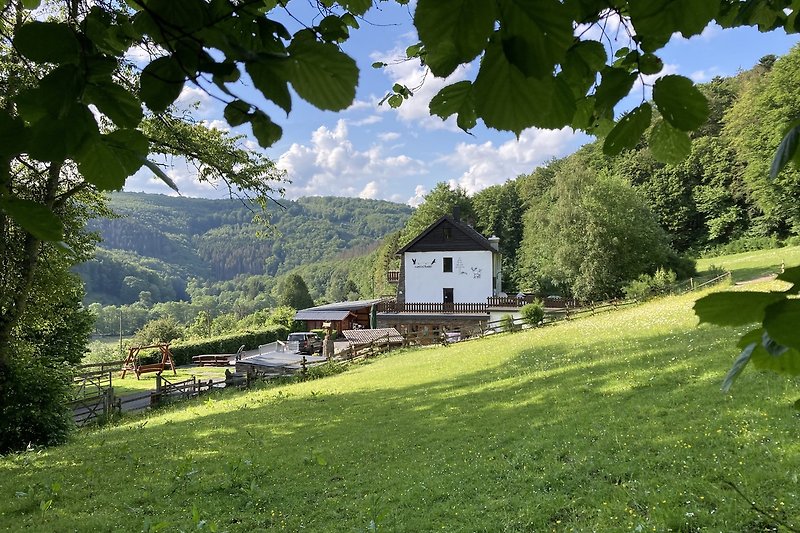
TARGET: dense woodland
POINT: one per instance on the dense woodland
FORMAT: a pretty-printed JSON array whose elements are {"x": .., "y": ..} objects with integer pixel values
[
  {"x": 591, "y": 224},
  {"x": 157, "y": 243}
]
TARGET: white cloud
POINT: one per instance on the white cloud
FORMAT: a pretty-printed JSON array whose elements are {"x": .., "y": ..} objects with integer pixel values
[
  {"x": 483, "y": 165},
  {"x": 372, "y": 119},
  {"x": 331, "y": 165},
  {"x": 389, "y": 136},
  {"x": 370, "y": 191},
  {"x": 419, "y": 196},
  {"x": 193, "y": 96},
  {"x": 708, "y": 33},
  {"x": 702, "y": 76},
  {"x": 216, "y": 124}
]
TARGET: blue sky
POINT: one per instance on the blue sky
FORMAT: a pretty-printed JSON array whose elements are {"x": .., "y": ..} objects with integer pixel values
[{"x": 373, "y": 151}]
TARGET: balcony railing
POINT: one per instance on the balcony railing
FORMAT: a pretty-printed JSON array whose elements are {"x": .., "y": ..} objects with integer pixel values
[
  {"x": 393, "y": 276},
  {"x": 425, "y": 307}
]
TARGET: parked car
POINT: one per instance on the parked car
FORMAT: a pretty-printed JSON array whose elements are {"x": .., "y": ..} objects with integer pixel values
[{"x": 304, "y": 342}]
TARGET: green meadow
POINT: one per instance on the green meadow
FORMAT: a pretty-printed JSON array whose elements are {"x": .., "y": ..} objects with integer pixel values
[{"x": 608, "y": 423}]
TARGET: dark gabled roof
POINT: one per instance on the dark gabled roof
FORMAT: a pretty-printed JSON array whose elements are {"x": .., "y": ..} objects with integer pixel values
[
  {"x": 323, "y": 316},
  {"x": 468, "y": 230}
]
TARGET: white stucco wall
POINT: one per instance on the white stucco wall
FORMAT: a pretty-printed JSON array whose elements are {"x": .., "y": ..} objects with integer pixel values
[{"x": 471, "y": 278}]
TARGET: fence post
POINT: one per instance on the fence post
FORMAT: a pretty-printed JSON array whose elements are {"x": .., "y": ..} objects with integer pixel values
[{"x": 303, "y": 366}]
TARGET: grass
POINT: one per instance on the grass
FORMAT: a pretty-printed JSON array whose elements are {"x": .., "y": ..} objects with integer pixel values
[
  {"x": 609, "y": 423},
  {"x": 751, "y": 265},
  {"x": 148, "y": 381}
]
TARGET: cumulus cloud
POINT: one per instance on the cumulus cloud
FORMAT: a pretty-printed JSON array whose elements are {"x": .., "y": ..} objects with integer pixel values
[
  {"x": 331, "y": 165},
  {"x": 370, "y": 191},
  {"x": 483, "y": 165},
  {"x": 193, "y": 96},
  {"x": 419, "y": 196}
]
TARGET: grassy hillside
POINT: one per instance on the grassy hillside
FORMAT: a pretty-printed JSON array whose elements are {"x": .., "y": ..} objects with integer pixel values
[
  {"x": 608, "y": 423},
  {"x": 751, "y": 265}
]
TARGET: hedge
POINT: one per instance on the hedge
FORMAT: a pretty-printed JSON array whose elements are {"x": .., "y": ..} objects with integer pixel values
[{"x": 183, "y": 351}]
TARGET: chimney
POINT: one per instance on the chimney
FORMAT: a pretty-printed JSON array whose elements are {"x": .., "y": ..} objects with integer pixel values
[
  {"x": 494, "y": 240},
  {"x": 457, "y": 213}
]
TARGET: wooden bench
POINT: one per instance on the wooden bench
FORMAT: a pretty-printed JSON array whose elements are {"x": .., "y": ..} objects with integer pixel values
[{"x": 212, "y": 360}]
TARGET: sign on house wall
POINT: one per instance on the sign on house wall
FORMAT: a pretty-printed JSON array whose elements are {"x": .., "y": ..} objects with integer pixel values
[{"x": 468, "y": 273}]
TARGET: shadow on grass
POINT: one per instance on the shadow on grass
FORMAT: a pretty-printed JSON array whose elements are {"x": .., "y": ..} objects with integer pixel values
[{"x": 604, "y": 434}]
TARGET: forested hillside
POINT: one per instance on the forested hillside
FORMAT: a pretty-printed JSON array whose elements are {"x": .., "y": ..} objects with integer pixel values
[{"x": 158, "y": 242}]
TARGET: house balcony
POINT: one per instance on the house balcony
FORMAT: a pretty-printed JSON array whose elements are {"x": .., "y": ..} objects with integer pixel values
[
  {"x": 495, "y": 303},
  {"x": 431, "y": 308},
  {"x": 393, "y": 276}
]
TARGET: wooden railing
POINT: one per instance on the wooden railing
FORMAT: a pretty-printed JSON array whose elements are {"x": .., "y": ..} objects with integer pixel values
[
  {"x": 509, "y": 301},
  {"x": 393, "y": 276},
  {"x": 425, "y": 307}
]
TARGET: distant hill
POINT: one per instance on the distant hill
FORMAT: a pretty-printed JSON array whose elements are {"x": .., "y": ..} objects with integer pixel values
[{"x": 159, "y": 242}]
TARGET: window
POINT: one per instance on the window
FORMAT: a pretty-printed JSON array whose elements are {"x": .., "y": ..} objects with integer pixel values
[
  {"x": 447, "y": 265},
  {"x": 447, "y": 234}
]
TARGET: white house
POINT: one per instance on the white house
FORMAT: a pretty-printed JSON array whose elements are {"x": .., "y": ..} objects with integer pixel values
[{"x": 449, "y": 263}]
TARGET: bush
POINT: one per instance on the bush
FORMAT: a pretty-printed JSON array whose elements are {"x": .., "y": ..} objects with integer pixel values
[
  {"x": 33, "y": 403},
  {"x": 646, "y": 286},
  {"x": 532, "y": 313},
  {"x": 182, "y": 352},
  {"x": 745, "y": 244},
  {"x": 507, "y": 322}
]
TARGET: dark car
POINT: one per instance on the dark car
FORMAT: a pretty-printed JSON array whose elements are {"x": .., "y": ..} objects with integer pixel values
[{"x": 305, "y": 342}]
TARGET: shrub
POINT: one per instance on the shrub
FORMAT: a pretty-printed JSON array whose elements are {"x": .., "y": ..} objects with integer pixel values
[
  {"x": 532, "y": 313},
  {"x": 33, "y": 403},
  {"x": 183, "y": 351},
  {"x": 645, "y": 285},
  {"x": 164, "y": 329},
  {"x": 507, "y": 322}
]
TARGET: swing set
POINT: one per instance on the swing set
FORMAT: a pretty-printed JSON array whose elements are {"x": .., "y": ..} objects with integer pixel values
[{"x": 133, "y": 364}]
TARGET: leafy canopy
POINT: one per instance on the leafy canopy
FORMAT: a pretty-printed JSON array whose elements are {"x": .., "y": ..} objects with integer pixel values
[{"x": 540, "y": 64}]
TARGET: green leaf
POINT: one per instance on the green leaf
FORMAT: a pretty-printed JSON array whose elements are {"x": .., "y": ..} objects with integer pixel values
[
  {"x": 680, "y": 102},
  {"x": 650, "y": 64},
  {"x": 582, "y": 63},
  {"x": 781, "y": 320},
  {"x": 13, "y": 135},
  {"x": 237, "y": 113},
  {"x": 333, "y": 29},
  {"x": 506, "y": 100},
  {"x": 269, "y": 77},
  {"x": 55, "y": 139},
  {"x": 656, "y": 20},
  {"x": 322, "y": 74},
  {"x": 357, "y": 7},
  {"x": 130, "y": 147},
  {"x": 161, "y": 83},
  {"x": 615, "y": 84},
  {"x": 265, "y": 131},
  {"x": 456, "y": 99},
  {"x": 35, "y": 218},
  {"x": 738, "y": 365},
  {"x": 47, "y": 42},
  {"x": 628, "y": 130},
  {"x": 787, "y": 150},
  {"x": 453, "y": 31},
  {"x": 116, "y": 103},
  {"x": 669, "y": 145},
  {"x": 734, "y": 308},
  {"x": 106, "y": 161},
  {"x": 536, "y": 35}
]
